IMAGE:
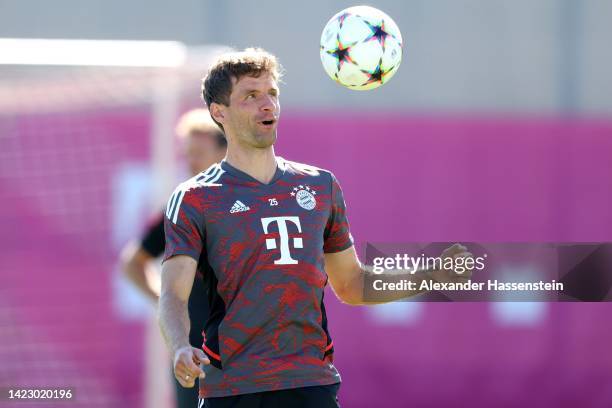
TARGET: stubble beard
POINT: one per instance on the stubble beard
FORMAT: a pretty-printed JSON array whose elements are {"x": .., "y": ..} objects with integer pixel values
[
  {"x": 263, "y": 141},
  {"x": 251, "y": 136}
]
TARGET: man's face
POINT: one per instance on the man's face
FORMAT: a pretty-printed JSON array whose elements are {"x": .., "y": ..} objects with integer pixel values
[
  {"x": 254, "y": 110},
  {"x": 201, "y": 151}
]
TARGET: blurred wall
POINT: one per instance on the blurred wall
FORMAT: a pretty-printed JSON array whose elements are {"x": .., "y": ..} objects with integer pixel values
[{"x": 523, "y": 56}]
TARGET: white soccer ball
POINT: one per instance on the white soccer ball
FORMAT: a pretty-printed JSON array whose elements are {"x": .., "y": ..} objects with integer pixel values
[{"x": 361, "y": 48}]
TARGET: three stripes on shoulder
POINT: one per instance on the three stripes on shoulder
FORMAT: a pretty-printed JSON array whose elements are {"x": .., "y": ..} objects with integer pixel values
[{"x": 207, "y": 178}]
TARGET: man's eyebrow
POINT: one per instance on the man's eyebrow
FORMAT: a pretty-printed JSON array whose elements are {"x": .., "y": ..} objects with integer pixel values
[{"x": 248, "y": 91}]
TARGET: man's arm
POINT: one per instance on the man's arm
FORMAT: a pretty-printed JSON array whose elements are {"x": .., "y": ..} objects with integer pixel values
[
  {"x": 136, "y": 264},
  {"x": 347, "y": 276},
  {"x": 178, "y": 273}
]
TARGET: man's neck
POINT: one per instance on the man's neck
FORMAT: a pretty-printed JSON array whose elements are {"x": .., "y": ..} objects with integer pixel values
[{"x": 257, "y": 163}]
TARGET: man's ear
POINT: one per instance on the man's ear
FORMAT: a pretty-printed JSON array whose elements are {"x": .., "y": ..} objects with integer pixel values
[{"x": 217, "y": 112}]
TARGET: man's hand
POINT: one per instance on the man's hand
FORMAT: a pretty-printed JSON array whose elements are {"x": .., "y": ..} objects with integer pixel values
[
  {"x": 178, "y": 274},
  {"x": 187, "y": 362},
  {"x": 456, "y": 251}
]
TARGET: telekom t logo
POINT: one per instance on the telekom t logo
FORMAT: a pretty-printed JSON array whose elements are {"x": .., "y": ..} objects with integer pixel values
[{"x": 281, "y": 222}]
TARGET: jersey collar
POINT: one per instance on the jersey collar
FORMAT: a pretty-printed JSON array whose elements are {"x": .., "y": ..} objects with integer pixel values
[{"x": 278, "y": 174}]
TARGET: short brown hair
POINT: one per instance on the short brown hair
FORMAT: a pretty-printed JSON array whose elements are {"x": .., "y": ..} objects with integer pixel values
[
  {"x": 217, "y": 84},
  {"x": 199, "y": 121}
]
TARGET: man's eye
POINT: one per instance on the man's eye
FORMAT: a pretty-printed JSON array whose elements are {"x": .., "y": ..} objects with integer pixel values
[{"x": 249, "y": 96}]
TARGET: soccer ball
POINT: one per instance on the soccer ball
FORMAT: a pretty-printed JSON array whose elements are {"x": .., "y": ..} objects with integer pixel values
[{"x": 361, "y": 48}]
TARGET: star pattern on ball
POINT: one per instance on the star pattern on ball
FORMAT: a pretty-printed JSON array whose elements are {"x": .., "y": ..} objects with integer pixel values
[
  {"x": 379, "y": 33},
  {"x": 342, "y": 18},
  {"x": 378, "y": 75},
  {"x": 341, "y": 54}
]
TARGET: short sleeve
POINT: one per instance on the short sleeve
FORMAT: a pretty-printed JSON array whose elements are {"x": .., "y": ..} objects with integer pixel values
[
  {"x": 184, "y": 224},
  {"x": 153, "y": 241},
  {"x": 337, "y": 233}
]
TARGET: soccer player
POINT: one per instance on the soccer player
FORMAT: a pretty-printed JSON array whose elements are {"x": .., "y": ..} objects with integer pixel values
[
  {"x": 267, "y": 234},
  {"x": 203, "y": 144}
]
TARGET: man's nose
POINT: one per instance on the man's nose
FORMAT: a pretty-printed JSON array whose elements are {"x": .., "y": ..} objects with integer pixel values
[{"x": 268, "y": 104}]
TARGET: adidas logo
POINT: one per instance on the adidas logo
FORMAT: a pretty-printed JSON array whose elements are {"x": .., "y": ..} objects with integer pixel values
[{"x": 239, "y": 206}]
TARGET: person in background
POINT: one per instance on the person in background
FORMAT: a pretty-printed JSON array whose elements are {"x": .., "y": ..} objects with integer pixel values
[{"x": 203, "y": 145}]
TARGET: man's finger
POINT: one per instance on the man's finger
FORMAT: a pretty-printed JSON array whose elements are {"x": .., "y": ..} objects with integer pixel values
[
  {"x": 193, "y": 370},
  {"x": 200, "y": 357},
  {"x": 187, "y": 383},
  {"x": 186, "y": 366},
  {"x": 185, "y": 379}
]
